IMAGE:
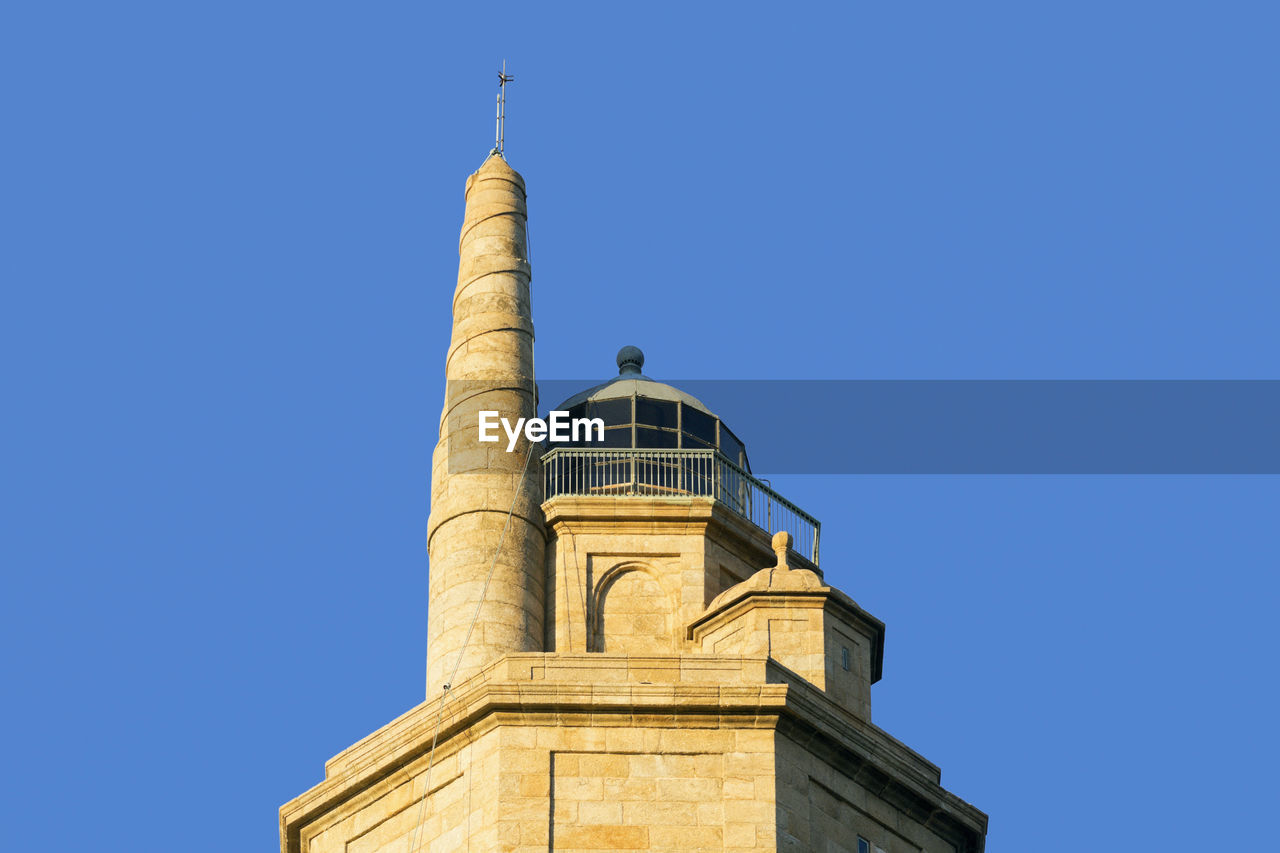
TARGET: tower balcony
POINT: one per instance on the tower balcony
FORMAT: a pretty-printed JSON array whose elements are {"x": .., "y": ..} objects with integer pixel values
[{"x": 678, "y": 474}]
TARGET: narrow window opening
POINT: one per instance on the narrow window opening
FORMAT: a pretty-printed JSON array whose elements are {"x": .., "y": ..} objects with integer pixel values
[{"x": 844, "y": 664}]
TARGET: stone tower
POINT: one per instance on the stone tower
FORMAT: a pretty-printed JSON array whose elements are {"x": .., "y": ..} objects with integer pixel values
[
  {"x": 647, "y": 654},
  {"x": 475, "y": 486}
]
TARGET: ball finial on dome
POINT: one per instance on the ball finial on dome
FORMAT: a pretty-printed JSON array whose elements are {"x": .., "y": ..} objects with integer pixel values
[
  {"x": 781, "y": 543},
  {"x": 630, "y": 360}
]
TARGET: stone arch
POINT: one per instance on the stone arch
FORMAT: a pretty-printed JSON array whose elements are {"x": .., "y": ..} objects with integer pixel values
[{"x": 633, "y": 614}]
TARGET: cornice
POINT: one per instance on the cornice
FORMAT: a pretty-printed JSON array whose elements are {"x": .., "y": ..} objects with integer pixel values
[{"x": 691, "y": 691}]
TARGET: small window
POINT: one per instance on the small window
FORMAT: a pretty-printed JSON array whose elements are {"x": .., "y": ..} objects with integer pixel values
[
  {"x": 844, "y": 658},
  {"x": 612, "y": 412},
  {"x": 698, "y": 424},
  {"x": 659, "y": 413},
  {"x": 730, "y": 446},
  {"x": 614, "y": 437},
  {"x": 864, "y": 846},
  {"x": 691, "y": 443},
  {"x": 649, "y": 437}
]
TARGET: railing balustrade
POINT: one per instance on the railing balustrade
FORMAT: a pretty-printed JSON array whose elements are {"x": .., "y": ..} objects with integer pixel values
[{"x": 590, "y": 472}]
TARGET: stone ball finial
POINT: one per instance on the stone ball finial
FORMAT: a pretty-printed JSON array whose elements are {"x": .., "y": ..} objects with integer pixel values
[
  {"x": 781, "y": 544},
  {"x": 630, "y": 360}
]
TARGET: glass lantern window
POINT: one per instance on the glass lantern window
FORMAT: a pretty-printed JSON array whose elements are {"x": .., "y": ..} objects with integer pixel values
[
  {"x": 730, "y": 446},
  {"x": 649, "y": 437},
  {"x": 612, "y": 412},
  {"x": 658, "y": 413},
  {"x": 614, "y": 437},
  {"x": 698, "y": 424}
]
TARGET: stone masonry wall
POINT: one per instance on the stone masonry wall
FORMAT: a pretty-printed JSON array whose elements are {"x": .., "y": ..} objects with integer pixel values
[{"x": 820, "y": 808}]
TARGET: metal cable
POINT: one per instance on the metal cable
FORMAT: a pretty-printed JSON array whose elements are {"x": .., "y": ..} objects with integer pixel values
[{"x": 448, "y": 685}]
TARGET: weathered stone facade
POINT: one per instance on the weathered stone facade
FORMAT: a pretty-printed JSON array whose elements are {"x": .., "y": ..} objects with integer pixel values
[
  {"x": 473, "y": 485},
  {"x": 646, "y": 672},
  {"x": 591, "y": 752}
]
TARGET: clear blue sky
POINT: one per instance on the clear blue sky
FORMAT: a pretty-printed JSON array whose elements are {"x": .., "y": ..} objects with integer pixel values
[{"x": 229, "y": 249}]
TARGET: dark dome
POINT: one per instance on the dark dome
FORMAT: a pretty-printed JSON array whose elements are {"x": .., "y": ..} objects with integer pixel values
[{"x": 642, "y": 413}]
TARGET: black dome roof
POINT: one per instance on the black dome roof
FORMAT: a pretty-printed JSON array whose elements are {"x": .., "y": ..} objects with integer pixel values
[{"x": 643, "y": 413}]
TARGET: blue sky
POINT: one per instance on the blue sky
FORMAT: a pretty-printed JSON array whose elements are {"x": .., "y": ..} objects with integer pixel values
[{"x": 230, "y": 246}]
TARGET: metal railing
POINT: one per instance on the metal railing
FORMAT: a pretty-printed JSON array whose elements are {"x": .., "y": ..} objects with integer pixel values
[{"x": 588, "y": 472}]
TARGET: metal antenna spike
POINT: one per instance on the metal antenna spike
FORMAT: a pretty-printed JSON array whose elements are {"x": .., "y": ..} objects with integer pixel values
[{"x": 500, "y": 129}]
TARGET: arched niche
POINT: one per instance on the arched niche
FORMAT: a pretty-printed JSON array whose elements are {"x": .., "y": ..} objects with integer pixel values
[{"x": 633, "y": 615}]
